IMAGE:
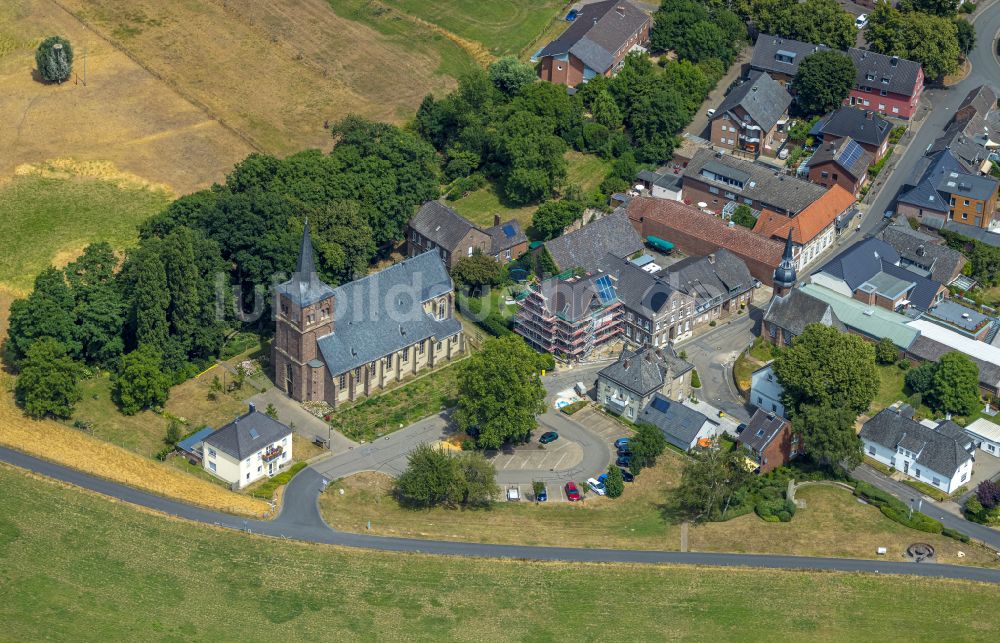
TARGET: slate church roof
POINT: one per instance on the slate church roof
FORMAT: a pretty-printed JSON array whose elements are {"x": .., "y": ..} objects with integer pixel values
[{"x": 305, "y": 287}]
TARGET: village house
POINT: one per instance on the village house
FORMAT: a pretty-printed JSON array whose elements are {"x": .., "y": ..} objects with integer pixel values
[
  {"x": 973, "y": 134},
  {"x": 681, "y": 425},
  {"x": 868, "y": 130},
  {"x": 841, "y": 162},
  {"x": 769, "y": 440},
  {"x": 656, "y": 312},
  {"x": 586, "y": 248},
  {"x": 753, "y": 118},
  {"x": 923, "y": 252},
  {"x": 720, "y": 284},
  {"x": 336, "y": 345},
  {"x": 719, "y": 182},
  {"x": 766, "y": 392},
  {"x": 595, "y": 43},
  {"x": 780, "y": 57},
  {"x": 813, "y": 230},
  {"x": 938, "y": 455},
  {"x": 944, "y": 192},
  {"x": 628, "y": 385},
  {"x": 435, "y": 226},
  {"x": 889, "y": 85},
  {"x": 251, "y": 447},
  {"x": 697, "y": 233}
]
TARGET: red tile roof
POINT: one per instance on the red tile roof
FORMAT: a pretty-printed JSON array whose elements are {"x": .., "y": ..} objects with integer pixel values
[
  {"x": 695, "y": 223},
  {"x": 809, "y": 223}
]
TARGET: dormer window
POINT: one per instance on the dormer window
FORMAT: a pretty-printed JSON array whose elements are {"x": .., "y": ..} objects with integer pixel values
[
  {"x": 870, "y": 76},
  {"x": 885, "y": 80}
]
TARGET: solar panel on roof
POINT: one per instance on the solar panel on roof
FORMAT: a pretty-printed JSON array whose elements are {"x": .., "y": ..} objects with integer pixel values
[
  {"x": 605, "y": 289},
  {"x": 508, "y": 230},
  {"x": 660, "y": 404},
  {"x": 850, "y": 154}
]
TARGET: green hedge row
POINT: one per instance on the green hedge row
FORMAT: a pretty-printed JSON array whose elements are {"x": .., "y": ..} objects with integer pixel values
[
  {"x": 267, "y": 489},
  {"x": 895, "y": 509},
  {"x": 776, "y": 510}
]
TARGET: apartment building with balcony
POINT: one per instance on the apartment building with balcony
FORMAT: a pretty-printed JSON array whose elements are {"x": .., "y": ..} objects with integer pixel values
[{"x": 752, "y": 119}]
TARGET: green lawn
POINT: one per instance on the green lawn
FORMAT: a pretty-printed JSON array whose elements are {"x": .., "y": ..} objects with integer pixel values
[
  {"x": 480, "y": 206},
  {"x": 586, "y": 170},
  {"x": 454, "y": 61},
  {"x": 76, "y": 566},
  {"x": 412, "y": 401},
  {"x": 503, "y": 26},
  {"x": 42, "y": 219}
]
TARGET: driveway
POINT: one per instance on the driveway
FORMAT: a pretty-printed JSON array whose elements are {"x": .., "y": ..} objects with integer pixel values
[
  {"x": 714, "y": 354},
  {"x": 302, "y": 421}
]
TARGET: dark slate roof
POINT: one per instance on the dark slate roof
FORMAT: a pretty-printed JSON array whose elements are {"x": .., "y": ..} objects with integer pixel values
[
  {"x": 923, "y": 250},
  {"x": 866, "y": 260},
  {"x": 931, "y": 350},
  {"x": 760, "y": 181},
  {"x": 247, "y": 434},
  {"x": 796, "y": 310},
  {"x": 645, "y": 371},
  {"x": 305, "y": 287},
  {"x": 574, "y": 298},
  {"x": 900, "y": 75},
  {"x": 863, "y": 126},
  {"x": 941, "y": 175},
  {"x": 762, "y": 428},
  {"x": 970, "y": 129},
  {"x": 720, "y": 275},
  {"x": 600, "y": 30},
  {"x": 506, "y": 235},
  {"x": 637, "y": 289},
  {"x": 939, "y": 450},
  {"x": 586, "y": 247},
  {"x": 766, "y": 50},
  {"x": 441, "y": 224},
  {"x": 680, "y": 424},
  {"x": 383, "y": 313},
  {"x": 958, "y": 315},
  {"x": 764, "y": 99},
  {"x": 847, "y": 154}
]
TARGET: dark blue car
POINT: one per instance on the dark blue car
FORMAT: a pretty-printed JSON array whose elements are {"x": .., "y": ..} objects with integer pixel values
[{"x": 624, "y": 461}]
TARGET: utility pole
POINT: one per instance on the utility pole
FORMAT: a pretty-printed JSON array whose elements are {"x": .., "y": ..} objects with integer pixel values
[{"x": 84, "y": 66}]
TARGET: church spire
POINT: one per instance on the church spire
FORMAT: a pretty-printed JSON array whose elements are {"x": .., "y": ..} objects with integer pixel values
[
  {"x": 306, "y": 264},
  {"x": 784, "y": 274},
  {"x": 305, "y": 287}
]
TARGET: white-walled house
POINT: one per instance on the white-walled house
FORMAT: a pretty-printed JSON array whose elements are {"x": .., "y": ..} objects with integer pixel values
[
  {"x": 766, "y": 392},
  {"x": 985, "y": 435},
  {"x": 939, "y": 456},
  {"x": 251, "y": 447}
]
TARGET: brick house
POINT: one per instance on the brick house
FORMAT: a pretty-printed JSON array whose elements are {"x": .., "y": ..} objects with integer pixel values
[
  {"x": 718, "y": 179},
  {"x": 340, "y": 344},
  {"x": 699, "y": 234},
  {"x": 889, "y": 85},
  {"x": 435, "y": 226},
  {"x": 752, "y": 118},
  {"x": 813, "y": 230},
  {"x": 595, "y": 43},
  {"x": 867, "y": 129},
  {"x": 780, "y": 57},
  {"x": 770, "y": 440},
  {"x": 841, "y": 162},
  {"x": 627, "y": 385}
]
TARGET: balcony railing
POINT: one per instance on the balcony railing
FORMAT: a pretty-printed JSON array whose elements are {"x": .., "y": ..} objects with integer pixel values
[{"x": 272, "y": 454}]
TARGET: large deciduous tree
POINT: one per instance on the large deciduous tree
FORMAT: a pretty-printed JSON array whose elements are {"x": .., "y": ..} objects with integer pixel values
[
  {"x": 646, "y": 446},
  {"x": 711, "y": 481},
  {"x": 955, "y": 387},
  {"x": 54, "y": 58},
  {"x": 46, "y": 312},
  {"x": 823, "y": 81},
  {"x": 828, "y": 434},
  {"x": 47, "y": 382},
  {"x": 141, "y": 383},
  {"x": 436, "y": 477},
  {"x": 510, "y": 75},
  {"x": 826, "y": 367},
  {"x": 817, "y": 21},
  {"x": 500, "y": 393},
  {"x": 477, "y": 270},
  {"x": 929, "y": 40},
  {"x": 552, "y": 217}
]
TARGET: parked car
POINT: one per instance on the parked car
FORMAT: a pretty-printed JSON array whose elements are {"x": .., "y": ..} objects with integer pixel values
[
  {"x": 888, "y": 214},
  {"x": 624, "y": 460},
  {"x": 711, "y": 112},
  {"x": 572, "y": 493},
  {"x": 513, "y": 494},
  {"x": 596, "y": 486},
  {"x": 624, "y": 450},
  {"x": 627, "y": 475},
  {"x": 542, "y": 495},
  {"x": 861, "y": 21},
  {"x": 621, "y": 442},
  {"x": 741, "y": 428},
  {"x": 547, "y": 437}
]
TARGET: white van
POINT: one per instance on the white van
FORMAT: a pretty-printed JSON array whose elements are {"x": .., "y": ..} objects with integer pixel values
[
  {"x": 513, "y": 495},
  {"x": 581, "y": 389}
]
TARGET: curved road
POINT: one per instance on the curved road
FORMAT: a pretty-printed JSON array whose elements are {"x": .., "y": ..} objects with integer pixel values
[{"x": 300, "y": 520}]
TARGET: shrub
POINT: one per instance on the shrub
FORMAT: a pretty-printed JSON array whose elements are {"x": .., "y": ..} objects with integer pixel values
[
  {"x": 776, "y": 510},
  {"x": 267, "y": 489},
  {"x": 903, "y": 364},
  {"x": 711, "y": 323},
  {"x": 957, "y": 535},
  {"x": 918, "y": 521},
  {"x": 570, "y": 409},
  {"x": 988, "y": 494},
  {"x": 695, "y": 380}
]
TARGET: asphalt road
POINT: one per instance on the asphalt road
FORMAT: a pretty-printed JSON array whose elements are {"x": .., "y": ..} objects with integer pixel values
[
  {"x": 713, "y": 355},
  {"x": 300, "y": 520}
]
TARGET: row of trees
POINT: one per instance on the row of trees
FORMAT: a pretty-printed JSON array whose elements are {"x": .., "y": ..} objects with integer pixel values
[
  {"x": 950, "y": 385},
  {"x": 926, "y": 31}
]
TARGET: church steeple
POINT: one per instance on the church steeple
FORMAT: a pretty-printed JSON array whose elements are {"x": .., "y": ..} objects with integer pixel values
[
  {"x": 305, "y": 286},
  {"x": 306, "y": 264},
  {"x": 784, "y": 274}
]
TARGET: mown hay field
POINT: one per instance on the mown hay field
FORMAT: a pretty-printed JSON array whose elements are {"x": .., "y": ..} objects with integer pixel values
[{"x": 110, "y": 570}]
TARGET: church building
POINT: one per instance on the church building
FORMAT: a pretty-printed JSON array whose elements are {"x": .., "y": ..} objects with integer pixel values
[{"x": 337, "y": 345}]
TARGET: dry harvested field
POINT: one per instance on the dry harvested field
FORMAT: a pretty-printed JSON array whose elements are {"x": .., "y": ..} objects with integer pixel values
[
  {"x": 275, "y": 70},
  {"x": 124, "y": 115}
]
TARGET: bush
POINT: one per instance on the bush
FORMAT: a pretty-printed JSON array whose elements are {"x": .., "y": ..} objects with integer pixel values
[
  {"x": 546, "y": 361},
  {"x": 570, "y": 409},
  {"x": 695, "y": 380},
  {"x": 897, "y": 133},
  {"x": 711, "y": 323},
  {"x": 776, "y": 510},
  {"x": 957, "y": 535},
  {"x": 904, "y": 364},
  {"x": 918, "y": 521},
  {"x": 267, "y": 489}
]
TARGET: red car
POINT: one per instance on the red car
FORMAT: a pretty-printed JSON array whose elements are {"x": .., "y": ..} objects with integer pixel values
[{"x": 572, "y": 493}]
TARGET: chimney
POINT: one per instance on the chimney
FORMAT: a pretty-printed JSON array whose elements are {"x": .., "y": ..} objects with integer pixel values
[
  {"x": 894, "y": 61},
  {"x": 868, "y": 115},
  {"x": 920, "y": 250},
  {"x": 628, "y": 363},
  {"x": 620, "y": 10},
  {"x": 496, "y": 219},
  {"x": 253, "y": 407}
]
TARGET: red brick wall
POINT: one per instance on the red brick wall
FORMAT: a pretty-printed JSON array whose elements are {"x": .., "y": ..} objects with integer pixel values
[
  {"x": 778, "y": 452},
  {"x": 831, "y": 168}
]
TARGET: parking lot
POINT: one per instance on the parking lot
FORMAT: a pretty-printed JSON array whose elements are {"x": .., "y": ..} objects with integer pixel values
[
  {"x": 606, "y": 428},
  {"x": 558, "y": 455}
]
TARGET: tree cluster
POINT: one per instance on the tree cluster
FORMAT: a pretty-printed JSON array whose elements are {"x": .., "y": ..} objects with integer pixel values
[
  {"x": 552, "y": 217},
  {"x": 646, "y": 446},
  {"x": 828, "y": 379},
  {"x": 436, "y": 477},
  {"x": 818, "y": 21},
  {"x": 823, "y": 81},
  {"x": 498, "y": 125},
  {"x": 500, "y": 392},
  {"x": 698, "y": 31},
  {"x": 931, "y": 40},
  {"x": 712, "y": 482},
  {"x": 950, "y": 385}
]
